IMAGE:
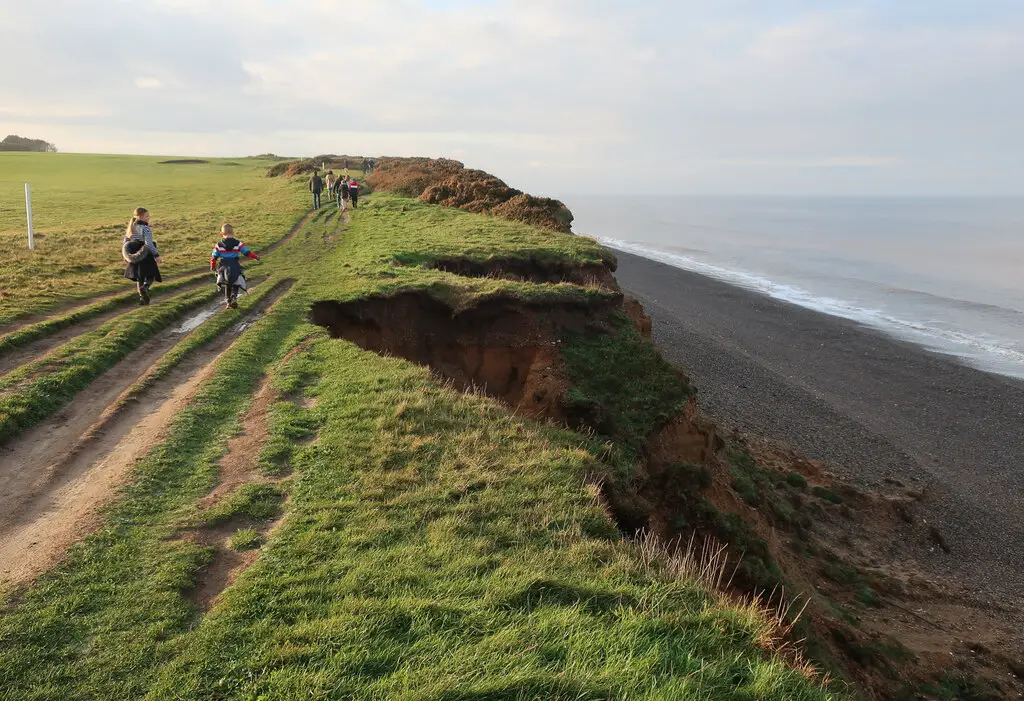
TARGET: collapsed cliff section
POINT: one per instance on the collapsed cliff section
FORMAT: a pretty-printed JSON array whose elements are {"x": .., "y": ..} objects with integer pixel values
[
  {"x": 501, "y": 346},
  {"x": 449, "y": 183}
]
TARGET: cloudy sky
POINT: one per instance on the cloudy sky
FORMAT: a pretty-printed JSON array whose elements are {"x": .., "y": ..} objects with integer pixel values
[{"x": 557, "y": 96}]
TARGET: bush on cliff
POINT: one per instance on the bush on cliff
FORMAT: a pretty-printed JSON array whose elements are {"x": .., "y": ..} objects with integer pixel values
[{"x": 450, "y": 183}]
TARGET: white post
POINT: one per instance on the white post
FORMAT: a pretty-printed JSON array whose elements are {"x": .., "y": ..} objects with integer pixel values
[{"x": 28, "y": 210}]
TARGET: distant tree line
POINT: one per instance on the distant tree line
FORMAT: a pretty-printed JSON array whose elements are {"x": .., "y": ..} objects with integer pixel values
[{"x": 20, "y": 143}]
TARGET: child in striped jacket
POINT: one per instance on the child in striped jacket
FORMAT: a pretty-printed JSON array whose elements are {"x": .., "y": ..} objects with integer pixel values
[{"x": 225, "y": 260}]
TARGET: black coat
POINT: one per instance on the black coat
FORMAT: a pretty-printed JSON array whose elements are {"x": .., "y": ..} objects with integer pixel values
[{"x": 146, "y": 269}]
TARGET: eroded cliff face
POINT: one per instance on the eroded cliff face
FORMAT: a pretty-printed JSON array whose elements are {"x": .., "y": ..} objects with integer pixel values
[
  {"x": 793, "y": 535},
  {"x": 560, "y": 343}
]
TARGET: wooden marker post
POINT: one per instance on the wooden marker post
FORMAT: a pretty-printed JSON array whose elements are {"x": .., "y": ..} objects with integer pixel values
[{"x": 28, "y": 212}]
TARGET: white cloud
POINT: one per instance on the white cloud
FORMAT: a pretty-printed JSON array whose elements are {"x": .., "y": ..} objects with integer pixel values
[{"x": 694, "y": 96}]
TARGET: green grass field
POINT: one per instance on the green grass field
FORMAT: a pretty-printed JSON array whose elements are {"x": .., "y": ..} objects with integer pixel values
[
  {"x": 405, "y": 540},
  {"x": 81, "y": 204}
]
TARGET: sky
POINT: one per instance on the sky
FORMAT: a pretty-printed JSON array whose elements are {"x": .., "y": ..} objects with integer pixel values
[{"x": 826, "y": 97}]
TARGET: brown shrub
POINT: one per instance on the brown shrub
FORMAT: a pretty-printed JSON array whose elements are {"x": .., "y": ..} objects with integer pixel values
[
  {"x": 449, "y": 183},
  {"x": 539, "y": 211},
  {"x": 290, "y": 169},
  {"x": 472, "y": 190}
]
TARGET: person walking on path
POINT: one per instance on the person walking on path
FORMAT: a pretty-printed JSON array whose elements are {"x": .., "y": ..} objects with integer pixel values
[
  {"x": 353, "y": 191},
  {"x": 140, "y": 253},
  {"x": 330, "y": 181},
  {"x": 341, "y": 192},
  {"x": 316, "y": 186},
  {"x": 225, "y": 260}
]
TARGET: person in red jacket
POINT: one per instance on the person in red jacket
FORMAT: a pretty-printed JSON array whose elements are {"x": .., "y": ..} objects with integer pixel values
[
  {"x": 353, "y": 192},
  {"x": 225, "y": 260}
]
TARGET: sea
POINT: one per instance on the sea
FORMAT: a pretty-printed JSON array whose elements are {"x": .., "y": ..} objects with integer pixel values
[{"x": 945, "y": 273}]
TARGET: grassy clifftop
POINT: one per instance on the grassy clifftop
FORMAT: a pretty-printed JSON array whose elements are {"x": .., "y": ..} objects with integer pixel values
[{"x": 326, "y": 519}]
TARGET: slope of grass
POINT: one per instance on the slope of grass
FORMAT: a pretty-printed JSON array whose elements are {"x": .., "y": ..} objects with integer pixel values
[
  {"x": 622, "y": 383},
  {"x": 392, "y": 237},
  {"x": 81, "y": 204},
  {"x": 479, "y": 238},
  {"x": 432, "y": 545}
]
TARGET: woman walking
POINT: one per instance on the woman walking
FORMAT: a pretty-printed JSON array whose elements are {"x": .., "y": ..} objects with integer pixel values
[{"x": 140, "y": 253}]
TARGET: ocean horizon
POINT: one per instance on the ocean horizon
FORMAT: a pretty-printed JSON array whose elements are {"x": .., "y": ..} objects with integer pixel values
[{"x": 946, "y": 273}]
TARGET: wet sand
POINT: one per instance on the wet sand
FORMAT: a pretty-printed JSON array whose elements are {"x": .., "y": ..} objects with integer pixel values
[{"x": 872, "y": 407}]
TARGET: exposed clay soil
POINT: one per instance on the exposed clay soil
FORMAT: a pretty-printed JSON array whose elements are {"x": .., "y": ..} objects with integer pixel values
[
  {"x": 56, "y": 477},
  {"x": 224, "y": 566},
  {"x": 238, "y": 466},
  {"x": 906, "y": 627},
  {"x": 449, "y": 183},
  {"x": 502, "y": 346}
]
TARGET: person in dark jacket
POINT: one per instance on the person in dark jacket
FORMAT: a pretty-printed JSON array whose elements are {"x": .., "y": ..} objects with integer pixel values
[
  {"x": 225, "y": 259},
  {"x": 316, "y": 186},
  {"x": 341, "y": 192},
  {"x": 353, "y": 192},
  {"x": 140, "y": 253}
]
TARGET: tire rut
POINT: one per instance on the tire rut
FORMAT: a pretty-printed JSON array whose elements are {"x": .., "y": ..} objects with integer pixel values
[
  {"x": 71, "y": 306},
  {"x": 291, "y": 234},
  {"x": 55, "y": 479},
  {"x": 35, "y": 350}
]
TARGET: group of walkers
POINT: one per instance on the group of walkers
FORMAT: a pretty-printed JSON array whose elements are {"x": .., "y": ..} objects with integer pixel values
[
  {"x": 143, "y": 260},
  {"x": 140, "y": 252},
  {"x": 344, "y": 188}
]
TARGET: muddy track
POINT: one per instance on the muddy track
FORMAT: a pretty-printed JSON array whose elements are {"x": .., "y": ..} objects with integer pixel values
[
  {"x": 57, "y": 476},
  {"x": 77, "y": 304},
  {"x": 17, "y": 357}
]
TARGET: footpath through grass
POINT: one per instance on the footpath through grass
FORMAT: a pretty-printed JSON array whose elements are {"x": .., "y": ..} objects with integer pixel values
[
  {"x": 81, "y": 204},
  {"x": 432, "y": 545},
  {"x": 34, "y": 391}
]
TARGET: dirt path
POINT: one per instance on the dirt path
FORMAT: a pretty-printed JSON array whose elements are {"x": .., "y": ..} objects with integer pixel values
[
  {"x": 291, "y": 234},
  {"x": 55, "y": 479},
  {"x": 14, "y": 359},
  {"x": 72, "y": 305}
]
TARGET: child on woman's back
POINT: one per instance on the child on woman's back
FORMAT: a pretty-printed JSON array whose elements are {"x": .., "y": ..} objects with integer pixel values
[{"x": 225, "y": 260}]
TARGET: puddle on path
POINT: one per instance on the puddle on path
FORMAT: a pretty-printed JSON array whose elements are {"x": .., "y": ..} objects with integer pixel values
[{"x": 196, "y": 320}]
